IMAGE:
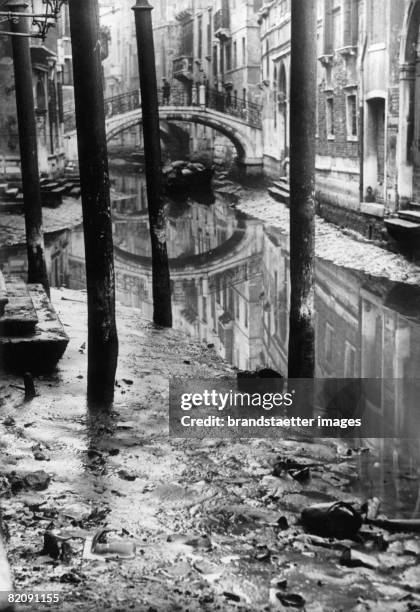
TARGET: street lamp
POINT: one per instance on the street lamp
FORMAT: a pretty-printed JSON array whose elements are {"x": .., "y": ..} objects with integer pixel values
[{"x": 42, "y": 21}]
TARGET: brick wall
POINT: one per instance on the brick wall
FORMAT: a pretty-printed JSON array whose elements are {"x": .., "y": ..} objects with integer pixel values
[{"x": 341, "y": 78}]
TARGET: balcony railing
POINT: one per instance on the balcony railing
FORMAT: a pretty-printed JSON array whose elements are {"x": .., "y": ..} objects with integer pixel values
[
  {"x": 221, "y": 23},
  {"x": 182, "y": 67}
]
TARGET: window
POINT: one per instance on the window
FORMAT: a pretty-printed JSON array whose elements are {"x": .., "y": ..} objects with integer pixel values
[
  {"x": 337, "y": 25},
  {"x": 246, "y": 314},
  {"x": 68, "y": 72},
  {"x": 351, "y": 116},
  {"x": 209, "y": 36},
  {"x": 243, "y": 51},
  {"x": 377, "y": 21},
  {"x": 204, "y": 304},
  {"x": 283, "y": 7},
  {"x": 235, "y": 55},
  {"x": 200, "y": 36},
  {"x": 330, "y": 117},
  {"x": 351, "y": 22},
  {"x": 215, "y": 60},
  {"x": 267, "y": 61},
  {"x": 228, "y": 56}
]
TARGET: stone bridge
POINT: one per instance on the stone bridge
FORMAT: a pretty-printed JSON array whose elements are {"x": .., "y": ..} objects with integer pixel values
[{"x": 239, "y": 121}]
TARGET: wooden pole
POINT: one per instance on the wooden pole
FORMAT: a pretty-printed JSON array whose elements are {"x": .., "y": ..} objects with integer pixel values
[
  {"x": 96, "y": 204},
  {"x": 37, "y": 269},
  {"x": 301, "y": 362},
  {"x": 162, "y": 308}
]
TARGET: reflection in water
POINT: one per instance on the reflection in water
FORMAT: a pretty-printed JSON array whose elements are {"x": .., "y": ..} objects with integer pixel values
[{"x": 230, "y": 278}]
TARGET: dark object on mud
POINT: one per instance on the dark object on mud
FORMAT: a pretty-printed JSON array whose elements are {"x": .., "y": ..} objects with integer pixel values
[
  {"x": 302, "y": 475},
  {"x": 125, "y": 475},
  {"x": 231, "y": 596},
  {"x": 293, "y": 467},
  {"x": 28, "y": 382},
  {"x": 283, "y": 523},
  {"x": 260, "y": 381},
  {"x": 57, "y": 547},
  {"x": 336, "y": 520},
  {"x": 102, "y": 545},
  {"x": 354, "y": 558},
  {"x": 397, "y": 525},
  {"x": 37, "y": 481},
  {"x": 51, "y": 545},
  {"x": 291, "y": 600}
]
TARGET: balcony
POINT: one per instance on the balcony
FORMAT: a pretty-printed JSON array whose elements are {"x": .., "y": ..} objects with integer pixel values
[
  {"x": 222, "y": 24},
  {"x": 184, "y": 15},
  {"x": 182, "y": 68}
]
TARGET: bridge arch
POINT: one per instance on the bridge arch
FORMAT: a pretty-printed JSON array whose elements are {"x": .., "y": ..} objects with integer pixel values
[
  {"x": 238, "y": 140},
  {"x": 240, "y": 123}
]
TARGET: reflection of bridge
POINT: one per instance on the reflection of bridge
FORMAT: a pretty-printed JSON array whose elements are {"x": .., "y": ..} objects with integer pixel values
[{"x": 238, "y": 120}]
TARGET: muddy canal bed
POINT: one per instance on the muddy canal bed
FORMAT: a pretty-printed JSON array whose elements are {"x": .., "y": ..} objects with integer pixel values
[{"x": 200, "y": 525}]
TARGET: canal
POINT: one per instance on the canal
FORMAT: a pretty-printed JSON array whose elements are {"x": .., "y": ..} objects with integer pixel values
[{"x": 230, "y": 288}]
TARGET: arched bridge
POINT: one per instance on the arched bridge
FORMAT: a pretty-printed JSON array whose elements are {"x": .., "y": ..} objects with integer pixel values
[{"x": 239, "y": 120}]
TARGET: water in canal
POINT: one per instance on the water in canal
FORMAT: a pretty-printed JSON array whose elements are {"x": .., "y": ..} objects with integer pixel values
[{"x": 230, "y": 287}]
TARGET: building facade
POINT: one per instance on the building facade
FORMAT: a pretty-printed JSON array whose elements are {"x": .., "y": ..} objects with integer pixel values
[
  {"x": 47, "y": 78},
  {"x": 367, "y": 160},
  {"x": 120, "y": 66}
]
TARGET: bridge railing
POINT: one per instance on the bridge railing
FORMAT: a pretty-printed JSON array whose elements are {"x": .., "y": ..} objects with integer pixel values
[{"x": 203, "y": 98}]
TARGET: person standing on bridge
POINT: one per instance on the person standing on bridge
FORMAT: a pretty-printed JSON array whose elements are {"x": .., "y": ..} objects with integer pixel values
[{"x": 166, "y": 91}]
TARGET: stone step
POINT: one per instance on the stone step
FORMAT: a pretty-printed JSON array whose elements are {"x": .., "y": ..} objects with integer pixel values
[
  {"x": 402, "y": 230},
  {"x": 409, "y": 215},
  {"x": 49, "y": 185},
  {"x": 3, "y": 188},
  {"x": 279, "y": 194},
  {"x": 68, "y": 186},
  {"x": 75, "y": 192},
  {"x": 40, "y": 351},
  {"x": 11, "y": 192},
  {"x": 19, "y": 317},
  {"x": 282, "y": 182}
]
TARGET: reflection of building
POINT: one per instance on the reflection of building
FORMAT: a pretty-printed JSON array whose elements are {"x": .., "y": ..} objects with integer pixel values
[
  {"x": 13, "y": 259},
  {"x": 47, "y": 74},
  {"x": 274, "y": 299}
]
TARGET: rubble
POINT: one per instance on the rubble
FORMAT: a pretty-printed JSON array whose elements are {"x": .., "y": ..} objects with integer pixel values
[{"x": 343, "y": 248}]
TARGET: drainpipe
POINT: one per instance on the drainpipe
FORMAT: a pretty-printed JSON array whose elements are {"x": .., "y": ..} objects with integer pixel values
[{"x": 361, "y": 71}]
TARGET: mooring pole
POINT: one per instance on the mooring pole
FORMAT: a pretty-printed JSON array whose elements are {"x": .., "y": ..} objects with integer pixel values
[
  {"x": 96, "y": 203},
  {"x": 37, "y": 270},
  {"x": 301, "y": 362},
  {"x": 162, "y": 309}
]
